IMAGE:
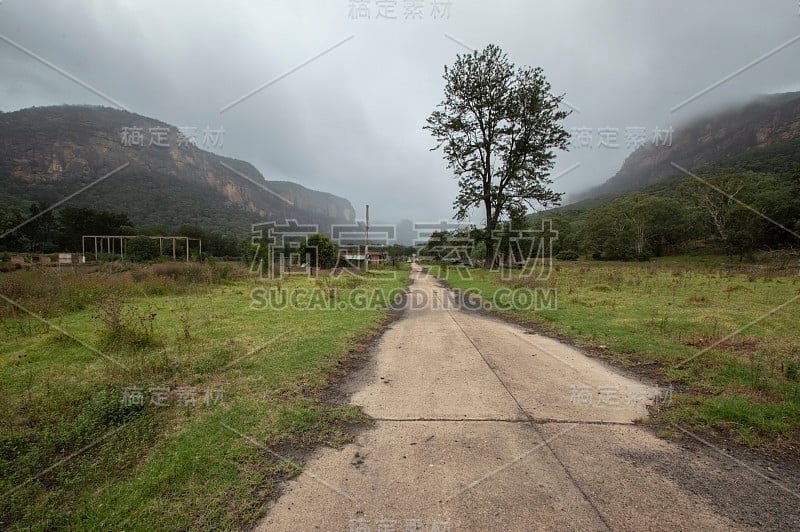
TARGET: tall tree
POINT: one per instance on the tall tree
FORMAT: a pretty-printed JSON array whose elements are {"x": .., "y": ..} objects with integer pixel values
[
  {"x": 498, "y": 126},
  {"x": 40, "y": 229},
  {"x": 10, "y": 218},
  {"x": 320, "y": 249},
  {"x": 142, "y": 248},
  {"x": 79, "y": 221},
  {"x": 715, "y": 195}
]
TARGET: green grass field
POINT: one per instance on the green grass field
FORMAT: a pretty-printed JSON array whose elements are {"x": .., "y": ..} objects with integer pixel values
[
  {"x": 224, "y": 388},
  {"x": 725, "y": 335}
]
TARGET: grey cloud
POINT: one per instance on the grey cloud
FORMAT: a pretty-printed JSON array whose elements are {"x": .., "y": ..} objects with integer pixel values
[{"x": 351, "y": 122}]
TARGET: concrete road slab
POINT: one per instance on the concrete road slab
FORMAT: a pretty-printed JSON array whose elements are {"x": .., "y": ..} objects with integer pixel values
[
  {"x": 552, "y": 380},
  {"x": 629, "y": 495},
  {"x": 461, "y": 475},
  {"x": 422, "y": 373}
]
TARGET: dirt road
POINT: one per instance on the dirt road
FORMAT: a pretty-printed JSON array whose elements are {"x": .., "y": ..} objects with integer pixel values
[{"x": 482, "y": 426}]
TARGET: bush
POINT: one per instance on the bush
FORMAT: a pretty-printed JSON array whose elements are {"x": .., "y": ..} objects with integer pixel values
[
  {"x": 181, "y": 272},
  {"x": 567, "y": 255},
  {"x": 142, "y": 248},
  {"x": 122, "y": 325},
  {"x": 321, "y": 251},
  {"x": 790, "y": 371},
  {"x": 105, "y": 409}
]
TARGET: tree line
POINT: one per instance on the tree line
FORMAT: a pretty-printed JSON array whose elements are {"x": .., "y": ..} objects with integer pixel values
[
  {"x": 719, "y": 211},
  {"x": 43, "y": 230}
]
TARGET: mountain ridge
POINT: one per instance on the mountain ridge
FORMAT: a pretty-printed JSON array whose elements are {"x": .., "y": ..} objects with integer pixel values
[
  {"x": 711, "y": 138},
  {"x": 48, "y": 153}
]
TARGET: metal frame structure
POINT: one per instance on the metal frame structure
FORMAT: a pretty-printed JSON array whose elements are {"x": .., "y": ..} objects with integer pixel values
[{"x": 112, "y": 241}]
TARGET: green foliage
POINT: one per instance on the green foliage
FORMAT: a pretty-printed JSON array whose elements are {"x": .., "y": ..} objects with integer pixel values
[
  {"x": 567, "y": 255},
  {"x": 399, "y": 251},
  {"x": 142, "y": 248},
  {"x": 779, "y": 158},
  {"x": 214, "y": 244},
  {"x": 720, "y": 210},
  {"x": 122, "y": 325},
  {"x": 11, "y": 217},
  {"x": 497, "y": 127},
  {"x": 632, "y": 227},
  {"x": 744, "y": 211},
  {"x": 255, "y": 256},
  {"x": 63, "y": 230},
  {"x": 743, "y": 231},
  {"x": 479, "y": 251},
  {"x": 37, "y": 230},
  {"x": 437, "y": 246},
  {"x": 104, "y": 409},
  {"x": 79, "y": 221},
  {"x": 790, "y": 371},
  {"x": 321, "y": 251}
]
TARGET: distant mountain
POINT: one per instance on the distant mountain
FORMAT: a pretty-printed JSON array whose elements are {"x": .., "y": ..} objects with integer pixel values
[
  {"x": 711, "y": 140},
  {"x": 49, "y": 153}
]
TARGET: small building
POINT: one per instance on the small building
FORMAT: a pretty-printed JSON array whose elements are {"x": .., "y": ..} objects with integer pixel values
[
  {"x": 71, "y": 258},
  {"x": 376, "y": 258}
]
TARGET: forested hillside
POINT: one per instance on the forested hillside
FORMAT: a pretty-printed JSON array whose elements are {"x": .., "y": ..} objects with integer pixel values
[{"x": 749, "y": 203}]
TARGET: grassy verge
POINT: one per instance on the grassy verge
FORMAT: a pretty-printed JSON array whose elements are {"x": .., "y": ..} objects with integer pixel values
[
  {"x": 725, "y": 336},
  {"x": 222, "y": 384}
]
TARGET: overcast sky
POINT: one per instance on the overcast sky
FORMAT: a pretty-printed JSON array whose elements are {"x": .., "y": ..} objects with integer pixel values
[{"x": 350, "y": 121}]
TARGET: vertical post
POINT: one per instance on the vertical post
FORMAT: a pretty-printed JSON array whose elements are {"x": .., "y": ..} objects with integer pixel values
[
  {"x": 173, "y": 248},
  {"x": 366, "y": 242},
  {"x": 200, "y": 243},
  {"x": 95, "y": 248},
  {"x": 187, "y": 249}
]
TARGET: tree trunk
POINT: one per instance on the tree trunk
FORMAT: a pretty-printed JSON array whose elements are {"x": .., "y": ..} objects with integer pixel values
[{"x": 488, "y": 237}]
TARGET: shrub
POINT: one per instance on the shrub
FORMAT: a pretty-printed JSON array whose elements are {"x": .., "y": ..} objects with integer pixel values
[
  {"x": 321, "y": 251},
  {"x": 124, "y": 325},
  {"x": 790, "y": 371},
  {"x": 567, "y": 255},
  {"x": 103, "y": 410},
  {"x": 142, "y": 248}
]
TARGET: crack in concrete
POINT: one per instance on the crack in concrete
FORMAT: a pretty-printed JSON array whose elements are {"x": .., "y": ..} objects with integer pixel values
[{"x": 542, "y": 421}]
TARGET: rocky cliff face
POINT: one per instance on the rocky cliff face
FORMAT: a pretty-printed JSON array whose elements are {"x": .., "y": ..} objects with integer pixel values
[
  {"x": 48, "y": 153},
  {"x": 712, "y": 139}
]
